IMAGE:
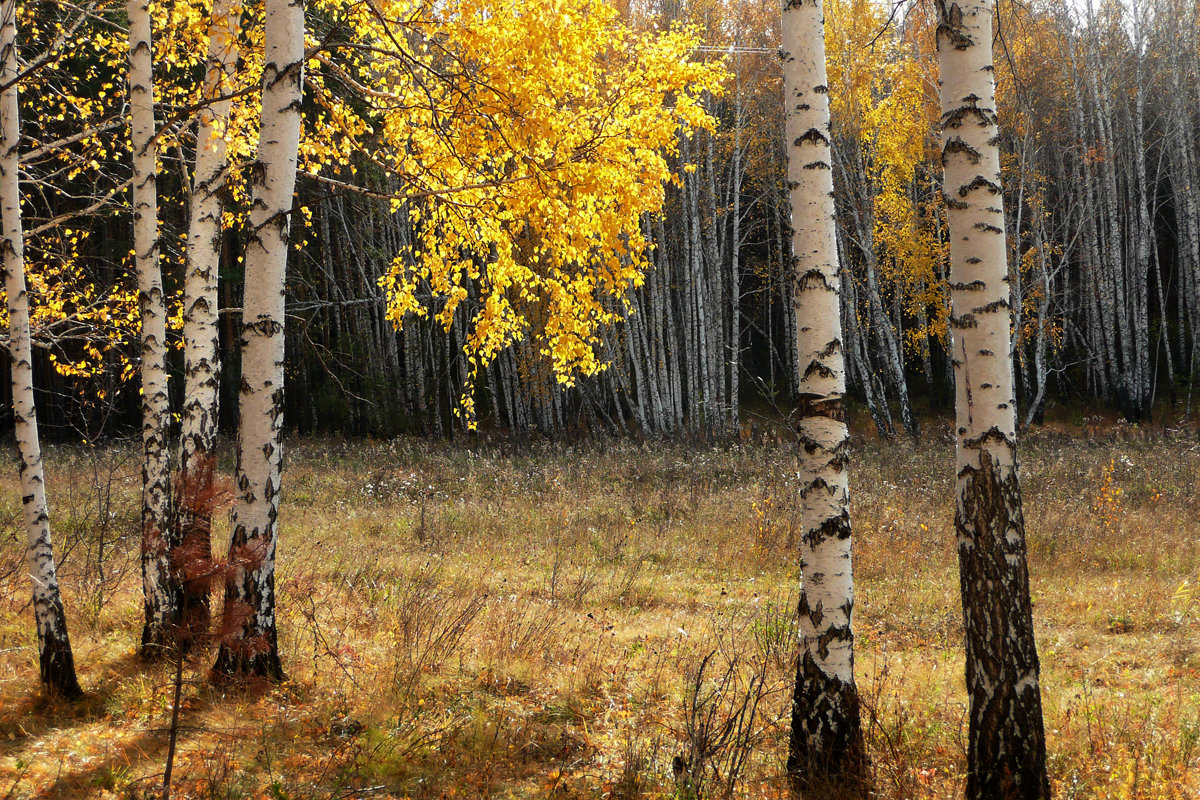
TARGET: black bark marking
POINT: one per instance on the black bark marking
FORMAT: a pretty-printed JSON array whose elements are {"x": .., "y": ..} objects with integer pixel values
[
  {"x": 957, "y": 117},
  {"x": 811, "y": 136},
  {"x": 817, "y": 368},
  {"x": 992, "y": 434},
  {"x": 1006, "y": 742},
  {"x": 950, "y": 26},
  {"x": 812, "y": 279},
  {"x": 979, "y": 182},
  {"x": 833, "y": 346},
  {"x": 995, "y": 305},
  {"x": 957, "y": 145}
]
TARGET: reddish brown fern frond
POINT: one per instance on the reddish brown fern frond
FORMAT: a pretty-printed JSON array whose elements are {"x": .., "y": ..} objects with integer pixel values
[{"x": 200, "y": 496}]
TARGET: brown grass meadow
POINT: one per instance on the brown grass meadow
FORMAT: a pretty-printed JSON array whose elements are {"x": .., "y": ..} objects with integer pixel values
[{"x": 612, "y": 620}]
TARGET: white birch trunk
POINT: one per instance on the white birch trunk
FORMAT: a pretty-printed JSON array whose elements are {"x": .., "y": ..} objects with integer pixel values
[
  {"x": 160, "y": 591},
  {"x": 55, "y": 660},
  {"x": 735, "y": 275},
  {"x": 826, "y": 751},
  {"x": 1143, "y": 235},
  {"x": 1038, "y": 372},
  {"x": 1006, "y": 755},
  {"x": 202, "y": 366},
  {"x": 250, "y": 645}
]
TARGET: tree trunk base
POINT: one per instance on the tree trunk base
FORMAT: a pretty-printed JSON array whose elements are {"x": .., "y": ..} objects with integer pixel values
[
  {"x": 1005, "y": 739},
  {"x": 234, "y": 665},
  {"x": 826, "y": 756},
  {"x": 159, "y": 640},
  {"x": 57, "y": 666}
]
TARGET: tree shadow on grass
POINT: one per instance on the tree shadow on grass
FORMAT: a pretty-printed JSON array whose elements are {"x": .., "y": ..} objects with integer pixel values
[
  {"x": 132, "y": 762},
  {"x": 37, "y": 712},
  {"x": 54, "y": 748}
]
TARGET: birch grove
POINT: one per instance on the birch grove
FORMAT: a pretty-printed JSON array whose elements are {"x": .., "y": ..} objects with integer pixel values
[
  {"x": 1101, "y": 207},
  {"x": 785, "y": 236}
]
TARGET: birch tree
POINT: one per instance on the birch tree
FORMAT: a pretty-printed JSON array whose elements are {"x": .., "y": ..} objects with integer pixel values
[
  {"x": 55, "y": 659},
  {"x": 826, "y": 751},
  {"x": 1006, "y": 746},
  {"x": 202, "y": 366},
  {"x": 158, "y": 586},
  {"x": 249, "y": 646}
]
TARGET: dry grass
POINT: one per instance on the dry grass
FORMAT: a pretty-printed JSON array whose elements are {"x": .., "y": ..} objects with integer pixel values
[{"x": 584, "y": 622}]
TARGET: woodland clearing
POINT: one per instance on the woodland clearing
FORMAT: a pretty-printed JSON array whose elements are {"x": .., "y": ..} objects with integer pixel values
[{"x": 613, "y": 619}]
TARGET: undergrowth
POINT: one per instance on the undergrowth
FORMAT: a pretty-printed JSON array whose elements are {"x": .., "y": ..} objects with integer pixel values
[{"x": 611, "y": 620}]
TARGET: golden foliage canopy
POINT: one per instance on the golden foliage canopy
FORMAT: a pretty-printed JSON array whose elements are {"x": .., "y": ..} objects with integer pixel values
[
  {"x": 531, "y": 142},
  {"x": 525, "y": 141}
]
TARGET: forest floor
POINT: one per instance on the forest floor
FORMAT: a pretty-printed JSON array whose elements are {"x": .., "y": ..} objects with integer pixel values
[{"x": 552, "y": 621}]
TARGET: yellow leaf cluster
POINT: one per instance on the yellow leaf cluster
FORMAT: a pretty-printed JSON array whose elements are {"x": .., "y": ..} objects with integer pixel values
[
  {"x": 531, "y": 143},
  {"x": 82, "y": 320}
]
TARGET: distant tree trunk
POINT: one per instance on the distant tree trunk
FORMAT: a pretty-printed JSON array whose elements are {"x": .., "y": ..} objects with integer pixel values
[
  {"x": 859, "y": 234},
  {"x": 1006, "y": 746},
  {"x": 854, "y": 354},
  {"x": 826, "y": 752},
  {"x": 890, "y": 348},
  {"x": 161, "y": 591},
  {"x": 1183, "y": 190},
  {"x": 1139, "y": 278},
  {"x": 1038, "y": 403},
  {"x": 702, "y": 386},
  {"x": 735, "y": 275},
  {"x": 55, "y": 660},
  {"x": 250, "y": 646},
  {"x": 786, "y": 284},
  {"x": 202, "y": 366}
]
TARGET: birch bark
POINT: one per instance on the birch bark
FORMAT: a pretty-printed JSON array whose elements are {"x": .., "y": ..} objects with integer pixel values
[
  {"x": 202, "y": 366},
  {"x": 250, "y": 646},
  {"x": 826, "y": 751},
  {"x": 1006, "y": 746},
  {"x": 161, "y": 592},
  {"x": 735, "y": 276},
  {"x": 56, "y": 662}
]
